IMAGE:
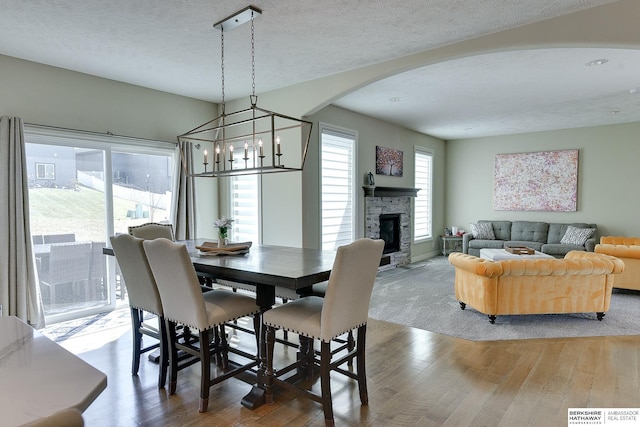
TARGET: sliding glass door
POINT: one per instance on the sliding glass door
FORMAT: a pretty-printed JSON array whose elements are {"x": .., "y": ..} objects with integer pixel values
[{"x": 82, "y": 189}]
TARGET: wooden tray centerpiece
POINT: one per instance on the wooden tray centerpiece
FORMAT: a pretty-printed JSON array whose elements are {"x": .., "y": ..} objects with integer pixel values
[
  {"x": 212, "y": 248},
  {"x": 519, "y": 250}
]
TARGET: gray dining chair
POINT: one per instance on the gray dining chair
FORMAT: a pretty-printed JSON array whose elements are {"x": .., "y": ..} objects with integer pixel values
[
  {"x": 184, "y": 303},
  {"x": 143, "y": 298},
  {"x": 69, "y": 263},
  {"x": 344, "y": 308},
  {"x": 59, "y": 238},
  {"x": 97, "y": 271}
]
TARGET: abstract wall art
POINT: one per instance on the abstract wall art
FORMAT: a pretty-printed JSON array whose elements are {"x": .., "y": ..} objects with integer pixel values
[
  {"x": 388, "y": 161},
  {"x": 540, "y": 181}
]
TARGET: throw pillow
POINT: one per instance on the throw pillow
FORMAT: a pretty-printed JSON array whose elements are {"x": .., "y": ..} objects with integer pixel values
[
  {"x": 576, "y": 236},
  {"x": 483, "y": 230}
]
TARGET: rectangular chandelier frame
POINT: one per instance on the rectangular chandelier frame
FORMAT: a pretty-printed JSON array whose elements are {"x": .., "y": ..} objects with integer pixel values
[{"x": 250, "y": 141}]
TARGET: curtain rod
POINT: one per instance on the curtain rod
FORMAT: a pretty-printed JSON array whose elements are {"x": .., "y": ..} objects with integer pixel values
[{"x": 88, "y": 132}]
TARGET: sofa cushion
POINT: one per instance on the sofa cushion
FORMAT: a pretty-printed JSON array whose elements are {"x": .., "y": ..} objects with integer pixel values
[
  {"x": 576, "y": 236},
  {"x": 482, "y": 230},
  {"x": 560, "y": 250},
  {"x": 501, "y": 229},
  {"x": 557, "y": 230},
  {"x": 481, "y": 244},
  {"x": 529, "y": 231}
]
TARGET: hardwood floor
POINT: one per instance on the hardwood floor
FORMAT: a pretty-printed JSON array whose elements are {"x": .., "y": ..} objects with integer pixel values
[{"x": 415, "y": 378}]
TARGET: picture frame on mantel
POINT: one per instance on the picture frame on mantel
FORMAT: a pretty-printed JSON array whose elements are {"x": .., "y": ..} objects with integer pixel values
[{"x": 389, "y": 161}]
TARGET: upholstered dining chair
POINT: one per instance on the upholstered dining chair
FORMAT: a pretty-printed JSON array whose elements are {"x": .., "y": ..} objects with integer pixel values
[
  {"x": 155, "y": 230},
  {"x": 152, "y": 230},
  {"x": 143, "y": 298},
  {"x": 344, "y": 308},
  {"x": 207, "y": 313}
]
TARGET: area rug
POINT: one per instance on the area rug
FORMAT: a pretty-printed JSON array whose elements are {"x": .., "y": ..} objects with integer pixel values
[{"x": 421, "y": 295}]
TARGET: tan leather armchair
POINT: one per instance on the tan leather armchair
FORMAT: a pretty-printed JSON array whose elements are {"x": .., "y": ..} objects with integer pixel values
[{"x": 626, "y": 249}]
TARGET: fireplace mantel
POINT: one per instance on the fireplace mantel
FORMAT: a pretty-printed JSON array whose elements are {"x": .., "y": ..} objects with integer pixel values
[{"x": 390, "y": 192}]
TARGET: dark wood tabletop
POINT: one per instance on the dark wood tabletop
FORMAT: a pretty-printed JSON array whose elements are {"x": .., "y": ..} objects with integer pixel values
[{"x": 288, "y": 267}]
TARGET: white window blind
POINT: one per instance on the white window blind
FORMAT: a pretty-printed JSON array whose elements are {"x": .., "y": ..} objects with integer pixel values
[
  {"x": 337, "y": 205},
  {"x": 422, "y": 216},
  {"x": 245, "y": 204}
]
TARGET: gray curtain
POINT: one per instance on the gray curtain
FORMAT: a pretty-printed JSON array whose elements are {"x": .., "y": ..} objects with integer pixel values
[
  {"x": 19, "y": 290},
  {"x": 184, "y": 198}
]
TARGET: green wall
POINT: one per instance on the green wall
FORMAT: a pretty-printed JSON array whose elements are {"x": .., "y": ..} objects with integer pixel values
[{"x": 608, "y": 193}]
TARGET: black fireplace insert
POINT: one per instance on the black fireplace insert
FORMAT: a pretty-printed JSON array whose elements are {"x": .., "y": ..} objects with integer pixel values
[{"x": 390, "y": 232}]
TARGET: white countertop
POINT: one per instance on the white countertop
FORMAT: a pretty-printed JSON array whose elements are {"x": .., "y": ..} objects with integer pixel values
[{"x": 38, "y": 377}]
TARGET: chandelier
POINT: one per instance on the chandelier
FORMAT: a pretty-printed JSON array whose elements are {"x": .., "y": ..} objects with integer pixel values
[{"x": 250, "y": 141}]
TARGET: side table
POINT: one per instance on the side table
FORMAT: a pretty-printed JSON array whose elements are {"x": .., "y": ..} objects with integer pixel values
[{"x": 451, "y": 244}]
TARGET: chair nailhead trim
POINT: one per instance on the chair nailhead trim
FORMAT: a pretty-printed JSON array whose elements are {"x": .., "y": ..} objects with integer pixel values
[{"x": 309, "y": 336}]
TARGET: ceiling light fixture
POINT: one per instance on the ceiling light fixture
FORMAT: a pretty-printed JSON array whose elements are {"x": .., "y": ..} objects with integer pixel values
[
  {"x": 263, "y": 141},
  {"x": 597, "y": 62}
]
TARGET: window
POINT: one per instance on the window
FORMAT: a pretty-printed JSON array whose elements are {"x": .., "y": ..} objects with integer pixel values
[
  {"x": 245, "y": 206},
  {"x": 45, "y": 171},
  {"x": 337, "y": 181},
  {"x": 84, "y": 187},
  {"x": 423, "y": 210}
]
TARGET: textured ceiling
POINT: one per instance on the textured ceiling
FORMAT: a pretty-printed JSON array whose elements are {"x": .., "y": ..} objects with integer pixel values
[{"x": 171, "y": 46}]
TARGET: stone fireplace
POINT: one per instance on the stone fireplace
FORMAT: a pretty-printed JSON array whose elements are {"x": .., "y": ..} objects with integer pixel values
[{"x": 388, "y": 216}]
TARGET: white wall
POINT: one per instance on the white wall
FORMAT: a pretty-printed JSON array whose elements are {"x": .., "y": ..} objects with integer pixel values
[
  {"x": 372, "y": 133},
  {"x": 608, "y": 193},
  {"x": 51, "y": 96}
]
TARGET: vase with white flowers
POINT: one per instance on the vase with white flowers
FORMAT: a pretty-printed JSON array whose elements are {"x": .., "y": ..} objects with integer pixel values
[{"x": 223, "y": 225}]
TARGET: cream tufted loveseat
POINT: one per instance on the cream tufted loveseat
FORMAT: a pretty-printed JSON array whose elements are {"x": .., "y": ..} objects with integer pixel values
[
  {"x": 579, "y": 283},
  {"x": 628, "y": 250}
]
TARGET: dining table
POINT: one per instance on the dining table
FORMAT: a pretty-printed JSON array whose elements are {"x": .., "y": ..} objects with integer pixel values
[{"x": 264, "y": 267}]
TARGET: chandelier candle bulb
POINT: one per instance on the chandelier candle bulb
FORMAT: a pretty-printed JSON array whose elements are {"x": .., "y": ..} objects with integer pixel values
[
  {"x": 218, "y": 154},
  {"x": 260, "y": 145},
  {"x": 246, "y": 152},
  {"x": 278, "y": 145},
  {"x": 206, "y": 157},
  {"x": 231, "y": 153}
]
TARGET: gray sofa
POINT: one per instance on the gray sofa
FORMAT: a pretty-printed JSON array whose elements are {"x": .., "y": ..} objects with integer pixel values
[{"x": 541, "y": 236}]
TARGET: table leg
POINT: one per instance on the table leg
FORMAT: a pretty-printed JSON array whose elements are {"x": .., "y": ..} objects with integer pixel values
[{"x": 265, "y": 298}]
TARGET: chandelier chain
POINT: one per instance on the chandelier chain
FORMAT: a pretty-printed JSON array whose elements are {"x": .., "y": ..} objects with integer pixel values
[
  {"x": 253, "y": 59},
  {"x": 222, "y": 62}
]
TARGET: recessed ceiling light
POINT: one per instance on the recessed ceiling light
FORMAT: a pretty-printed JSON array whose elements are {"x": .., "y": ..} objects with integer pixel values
[
  {"x": 395, "y": 99},
  {"x": 614, "y": 112},
  {"x": 597, "y": 62}
]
